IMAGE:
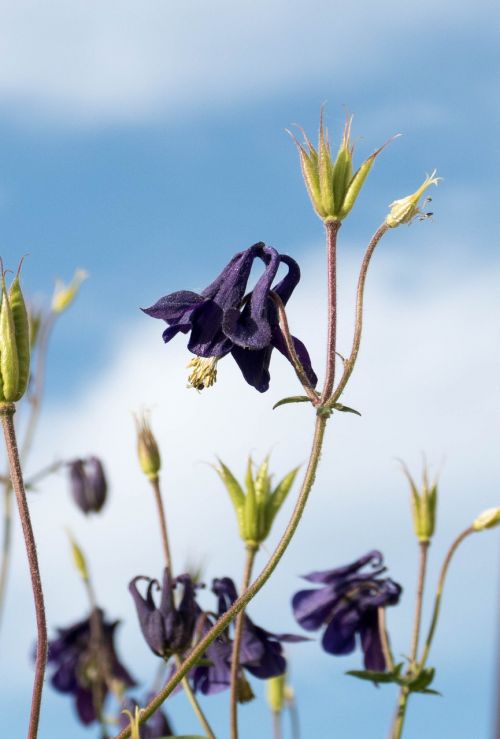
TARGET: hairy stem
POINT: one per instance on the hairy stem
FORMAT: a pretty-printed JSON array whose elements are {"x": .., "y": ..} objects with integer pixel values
[
  {"x": 155, "y": 484},
  {"x": 35, "y": 402},
  {"x": 332, "y": 228},
  {"x": 197, "y": 652},
  {"x": 7, "y": 411},
  {"x": 297, "y": 364},
  {"x": 358, "y": 325},
  {"x": 399, "y": 718},
  {"x": 194, "y": 703},
  {"x": 238, "y": 633},
  {"x": 422, "y": 567}
]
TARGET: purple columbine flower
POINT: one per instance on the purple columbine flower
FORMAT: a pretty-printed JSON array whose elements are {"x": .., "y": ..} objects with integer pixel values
[
  {"x": 156, "y": 727},
  {"x": 261, "y": 652},
  {"x": 167, "y": 628},
  {"x": 85, "y": 663},
  {"x": 220, "y": 321},
  {"x": 348, "y": 605},
  {"x": 88, "y": 484}
]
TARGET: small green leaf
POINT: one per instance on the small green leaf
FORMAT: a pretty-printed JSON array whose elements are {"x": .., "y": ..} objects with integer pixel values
[
  {"x": 292, "y": 399},
  {"x": 378, "y": 677},
  {"x": 345, "y": 409},
  {"x": 421, "y": 682}
]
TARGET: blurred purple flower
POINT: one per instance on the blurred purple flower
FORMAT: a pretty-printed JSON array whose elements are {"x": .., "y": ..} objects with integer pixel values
[
  {"x": 220, "y": 322},
  {"x": 156, "y": 727},
  {"x": 348, "y": 605},
  {"x": 167, "y": 628},
  {"x": 261, "y": 652},
  {"x": 88, "y": 484},
  {"x": 85, "y": 663}
]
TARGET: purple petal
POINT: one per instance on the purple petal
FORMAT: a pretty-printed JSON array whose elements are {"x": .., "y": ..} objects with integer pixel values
[
  {"x": 312, "y": 608},
  {"x": 172, "y": 308},
  {"x": 370, "y": 642},
  {"x": 300, "y": 350},
  {"x": 374, "y": 557},
  {"x": 339, "y": 636},
  {"x": 254, "y": 366}
]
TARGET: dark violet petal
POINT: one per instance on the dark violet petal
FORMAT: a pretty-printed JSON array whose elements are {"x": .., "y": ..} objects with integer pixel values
[
  {"x": 290, "y": 281},
  {"x": 172, "y": 331},
  {"x": 339, "y": 636},
  {"x": 85, "y": 706},
  {"x": 252, "y": 647},
  {"x": 271, "y": 664},
  {"x": 312, "y": 608},
  {"x": 290, "y": 638},
  {"x": 172, "y": 308},
  {"x": 207, "y": 339},
  {"x": 64, "y": 679},
  {"x": 374, "y": 557},
  {"x": 254, "y": 366},
  {"x": 228, "y": 289},
  {"x": 97, "y": 484},
  {"x": 370, "y": 642},
  {"x": 225, "y": 590},
  {"x": 300, "y": 350},
  {"x": 151, "y": 620}
]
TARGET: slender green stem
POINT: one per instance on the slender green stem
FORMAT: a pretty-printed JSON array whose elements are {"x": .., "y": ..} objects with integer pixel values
[
  {"x": 294, "y": 718},
  {"x": 199, "y": 649},
  {"x": 238, "y": 633},
  {"x": 155, "y": 484},
  {"x": 439, "y": 593},
  {"x": 384, "y": 639},
  {"x": 332, "y": 228},
  {"x": 194, "y": 703},
  {"x": 7, "y": 411},
  {"x": 399, "y": 718},
  {"x": 277, "y": 725},
  {"x": 422, "y": 567},
  {"x": 358, "y": 325}
]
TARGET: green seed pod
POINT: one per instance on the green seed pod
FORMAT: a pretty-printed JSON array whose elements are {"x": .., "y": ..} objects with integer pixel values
[
  {"x": 9, "y": 365},
  {"x": 22, "y": 333},
  {"x": 325, "y": 171},
  {"x": 342, "y": 171}
]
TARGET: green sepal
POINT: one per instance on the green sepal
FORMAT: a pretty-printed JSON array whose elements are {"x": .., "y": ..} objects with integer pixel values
[
  {"x": 278, "y": 496},
  {"x": 345, "y": 409},
  {"x": 9, "y": 365},
  {"x": 292, "y": 399},
  {"x": 325, "y": 169},
  {"x": 420, "y": 683},
  {"x": 358, "y": 180},
  {"x": 342, "y": 171},
  {"x": 22, "y": 335},
  {"x": 375, "y": 677},
  {"x": 236, "y": 494}
]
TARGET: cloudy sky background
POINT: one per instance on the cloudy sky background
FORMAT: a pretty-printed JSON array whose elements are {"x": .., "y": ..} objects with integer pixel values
[{"x": 145, "y": 142}]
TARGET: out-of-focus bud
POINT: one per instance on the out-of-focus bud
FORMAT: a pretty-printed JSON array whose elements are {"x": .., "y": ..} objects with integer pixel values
[
  {"x": 88, "y": 484},
  {"x": 487, "y": 519},
  {"x": 424, "y": 504},
  {"x": 406, "y": 209},
  {"x": 14, "y": 341},
  {"x": 147, "y": 448},
  {"x": 244, "y": 692},
  {"x": 78, "y": 558},
  {"x": 35, "y": 320},
  {"x": 276, "y": 693},
  {"x": 331, "y": 184},
  {"x": 256, "y": 506},
  {"x": 65, "y": 294}
]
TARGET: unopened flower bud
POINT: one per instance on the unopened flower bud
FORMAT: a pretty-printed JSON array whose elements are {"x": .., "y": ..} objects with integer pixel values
[
  {"x": 14, "y": 341},
  {"x": 257, "y": 505},
  {"x": 487, "y": 519},
  {"x": 88, "y": 484},
  {"x": 78, "y": 559},
  {"x": 424, "y": 505},
  {"x": 65, "y": 294},
  {"x": 276, "y": 693},
  {"x": 331, "y": 184},
  {"x": 406, "y": 209},
  {"x": 147, "y": 448}
]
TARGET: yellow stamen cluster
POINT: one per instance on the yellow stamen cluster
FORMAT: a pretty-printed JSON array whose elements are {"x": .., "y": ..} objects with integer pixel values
[
  {"x": 204, "y": 372},
  {"x": 406, "y": 209}
]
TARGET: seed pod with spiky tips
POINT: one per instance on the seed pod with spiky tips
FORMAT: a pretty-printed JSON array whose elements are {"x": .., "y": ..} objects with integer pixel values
[
  {"x": 331, "y": 184},
  {"x": 256, "y": 506},
  {"x": 14, "y": 341},
  {"x": 424, "y": 505}
]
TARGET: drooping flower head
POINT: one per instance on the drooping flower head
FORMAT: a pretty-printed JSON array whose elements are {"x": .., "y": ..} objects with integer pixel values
[
  {"x": 167, "y": 627},
  {"x": 156, "y": 727},
  {"x": 88, "y": 484},
  {"x": 222, "y": 319},
  {"x": 347, "y": 605},
  {"x": 85, "y": 664},
  {"x": 261, "y": 652}
]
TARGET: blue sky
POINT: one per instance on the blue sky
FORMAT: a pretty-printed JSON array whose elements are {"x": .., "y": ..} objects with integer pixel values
[{"x": 145, "y": 142}]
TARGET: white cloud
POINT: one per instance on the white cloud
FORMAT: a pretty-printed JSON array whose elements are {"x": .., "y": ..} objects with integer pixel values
[
  {"x": 426, "y": 381},
  {"x": 127, "y": 60}
]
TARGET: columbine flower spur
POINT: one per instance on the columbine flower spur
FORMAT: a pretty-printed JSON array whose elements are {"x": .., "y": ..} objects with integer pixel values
[{"x": 223, "y": 320}]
